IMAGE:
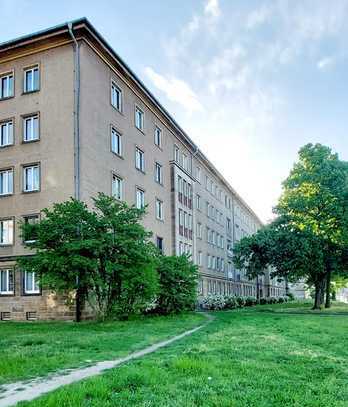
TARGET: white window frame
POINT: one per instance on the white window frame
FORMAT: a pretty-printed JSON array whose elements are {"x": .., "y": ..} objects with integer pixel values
[
  {"x": 140, "y": 198},
  {"x": 139, "y": 159},
  {"x": 116, "y": 96},
  {"x": 9, "y": 91},
  {"x": 6, "y": 133},
  {"x": 117, "y": 187},
  {"x": 200, "y": 258},
  {"x": 7, "y": 290},
  {"x": 159, "y": 209},
  {"x": 34, "y": 178},
  {"x": 30, "y": 87},
  {"x": 158, "y": 173},
  {"x": 116, "y": 141},
  {"x": 31, "y": 135},
  {"x": 6, "y": 182},
  {"x": 6, "y": 231},
  {"x": 139, "y": 118},
  {"x": 26, "y": 220},
  {"x": 199, "y": 230},
  {"x": 158, "y": 137},
  {"x": 35, "y": 288}
]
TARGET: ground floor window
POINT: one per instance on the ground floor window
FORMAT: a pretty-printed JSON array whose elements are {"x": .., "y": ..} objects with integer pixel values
[
  {"x": 31, "y": 283},
  {"x": 6, "y": 282}
]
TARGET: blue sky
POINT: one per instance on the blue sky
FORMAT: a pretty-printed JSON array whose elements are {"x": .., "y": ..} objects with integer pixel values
[{"x": 250, "y": 81}]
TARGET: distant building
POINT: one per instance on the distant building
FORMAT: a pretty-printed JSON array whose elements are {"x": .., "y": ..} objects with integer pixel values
[{"x": 75, "y": 121}]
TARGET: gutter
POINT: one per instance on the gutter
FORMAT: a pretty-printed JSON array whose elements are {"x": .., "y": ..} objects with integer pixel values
[{"x": 76, "y": 113}]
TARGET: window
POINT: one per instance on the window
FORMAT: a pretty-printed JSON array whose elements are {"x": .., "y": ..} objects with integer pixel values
[
  {"x": 6, "y": 282},
  {"x": 31, "y": 128},
  {"x": 198, "y": 202},
  {"x": 6, "y": 182},
  {"x": 116, "y": 142},
  {"x": 181, "y": 248},
  {"x": 116, "y": 97},
  {"x": 199, "y": 230},
  {"x": 139, "y": 118},
  {"x": 140, "y": 199},
  {"x": 139, "y": 159},
  {"x": 6, "y": 86},
  {"x": 30, "y": 235},
  {"x": 159, "y": 209},
  {"x": 117, "y": 187},
  {"x": 158, "y": 173},
  {"x": 31, "y": 79},
  {"x": 6, "y": 231},
  {"x": 176, "y": 154},
  {"x": 158, "y": 137},
  {"x": 184, "y": 161},
  {"x": 200, "y": 258},
  {"x": 198, "y": 174},
  {"x": 6, "y": 133},
  {"x": 31, "y": 283},
  {"x": 159, "y": 243},
  {"x": 31, "y": 178}
]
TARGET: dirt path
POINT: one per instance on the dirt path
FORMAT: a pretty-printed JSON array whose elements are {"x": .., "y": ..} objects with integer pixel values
[{"x": 13, "y": 393}]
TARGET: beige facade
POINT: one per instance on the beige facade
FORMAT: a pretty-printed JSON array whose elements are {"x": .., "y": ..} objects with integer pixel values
[{"x": 78, "y": 126}]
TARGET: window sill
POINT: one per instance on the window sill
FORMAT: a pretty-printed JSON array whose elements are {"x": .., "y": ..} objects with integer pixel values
[
  {"x": 29, "y": 92},
  {"x": 117, "y": 155},
  {"x": 36, "y": 294},
  {"x": 31, "y": 192},
  {"x": 6, "y": 146},
  {"x": 7, "y": 98},
  {"x": 6, "y": 244},
  {"x": 138, "y": 169},
  {"x": 141, "y": 131},
  {"x": 6, "y": 195},
  {"x": 30, "y": 141},
  {"x": 9, "y": 294}
]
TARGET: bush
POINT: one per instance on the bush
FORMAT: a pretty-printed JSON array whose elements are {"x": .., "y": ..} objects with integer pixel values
[
  {"x": 240, "y": 301},
  {"x": 290, "y": 296},
  {"x": 263, "y": 301},
  {"x": 281, "y": 300},
  {"x": 178, "y": 278},
  {"x": 213, "y": 302},
  {"x": 231, "y": 302},
  {"x": 250, "y": 301}
]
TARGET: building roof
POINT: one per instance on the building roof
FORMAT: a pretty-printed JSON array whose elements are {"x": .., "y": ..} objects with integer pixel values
[{"x": 84, "y": 22}]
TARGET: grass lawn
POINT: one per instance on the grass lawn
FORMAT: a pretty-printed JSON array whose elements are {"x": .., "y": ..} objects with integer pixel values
[
  {"x": 35, "y": 349},
  {"x": 245, "y": 358}
]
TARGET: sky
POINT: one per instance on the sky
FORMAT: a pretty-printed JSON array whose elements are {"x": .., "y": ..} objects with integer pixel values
[{"x": 249, "y": 81}]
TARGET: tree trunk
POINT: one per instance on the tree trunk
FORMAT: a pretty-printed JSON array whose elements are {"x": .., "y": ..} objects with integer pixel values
[
  {"x": 328, "y": 289},
  {"x": 319, "y": 290}
]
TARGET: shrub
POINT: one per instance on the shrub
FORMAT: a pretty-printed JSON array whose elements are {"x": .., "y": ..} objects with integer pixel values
[
  {"x": 263, "y": 301},
  {"x": 281, "y": 300},
  {"x": 213, "y": 302},
  {"x": 290, "y": 296},
  {"x": 250, "y": 301},
  {"x": 231, "y": 302},
  {"x": 240, "y": 301},
  {"x": 177, "y": 284}
]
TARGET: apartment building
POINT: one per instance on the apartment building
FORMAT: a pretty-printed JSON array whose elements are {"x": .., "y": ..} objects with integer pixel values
[{"x": 75, "y": 121}]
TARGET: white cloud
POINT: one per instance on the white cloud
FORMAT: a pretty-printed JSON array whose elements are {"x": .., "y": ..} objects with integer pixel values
[
  {"x": 258, "y": 17},
  {"x": 325, "y": 64},
  {"x": 212, "y": 9},
  {"x": 176, "y": 90}
]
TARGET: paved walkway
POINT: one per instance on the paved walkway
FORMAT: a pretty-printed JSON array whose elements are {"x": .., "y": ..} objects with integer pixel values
[{"x": 13, "y": 393}]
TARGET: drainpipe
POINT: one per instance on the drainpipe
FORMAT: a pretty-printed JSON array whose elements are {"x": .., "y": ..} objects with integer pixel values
[
  {"x": 78, "y": 305},
  {"x": 76, "y": 114}
]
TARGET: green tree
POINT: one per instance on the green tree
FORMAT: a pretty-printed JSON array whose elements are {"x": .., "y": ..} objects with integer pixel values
[
  {"x": 315, "y": 200},
  {"x": 104, "y": 254},
  {"x": 178, "y": 278}
]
